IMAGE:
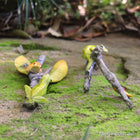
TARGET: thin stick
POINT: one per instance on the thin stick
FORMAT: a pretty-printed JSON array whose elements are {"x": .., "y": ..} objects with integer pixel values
[
  {"x": 88, "y": 75},
  {"x": 97, "y": 56},
  {"x": 35, "y": 77}
]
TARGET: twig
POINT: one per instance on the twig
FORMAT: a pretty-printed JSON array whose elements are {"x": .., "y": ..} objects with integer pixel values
[
  {"x": 34, "y": 132},
  {"x": 9, "y": 17},
  {"x": 41, "y": 59},
  {"x": 88, "y": 75},
  {"x": 97, "y": 56},
  {"x": 35, "y": 77}
]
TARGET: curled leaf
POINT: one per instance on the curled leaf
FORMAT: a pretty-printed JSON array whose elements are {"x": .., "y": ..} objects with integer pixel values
[
  {"x": 21, "y": 63},
  {"x": 59, "y": 71}
]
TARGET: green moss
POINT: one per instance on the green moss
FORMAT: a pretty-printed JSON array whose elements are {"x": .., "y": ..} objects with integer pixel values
[
  {"x": 123, "y": 126},
  {"x": 4, "y": 128},
  {"x": 9, "y": 43},
  {"x": 70, "y": 111},
  {"x": 34, "y": 46},
  {"x": 36, "y": 54},
  {"x": 122, "y": 72},
  {"x": 12, "y": 81},
  {"x": 30, "y": 46},
  {"x": 48, "y": 59},
  {"x": 5, "y": 48}
]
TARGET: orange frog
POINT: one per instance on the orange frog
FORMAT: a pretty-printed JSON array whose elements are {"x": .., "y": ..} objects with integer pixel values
[{"x": 34, "y": 67}]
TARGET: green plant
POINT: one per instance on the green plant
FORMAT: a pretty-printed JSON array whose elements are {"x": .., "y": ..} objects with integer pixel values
[
  {"x": 35, "y": 94},
  {"x": 39, "y": 9},
  {"x": 86, "y": 133}
]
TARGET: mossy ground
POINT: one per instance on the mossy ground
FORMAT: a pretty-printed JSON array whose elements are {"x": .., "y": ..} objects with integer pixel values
[{"x": 69, "y": 111}]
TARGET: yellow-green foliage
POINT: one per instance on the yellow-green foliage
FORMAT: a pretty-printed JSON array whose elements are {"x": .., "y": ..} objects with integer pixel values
[
  {"x": 36, "y": 93},
  {"x": 87, "y": 50}
]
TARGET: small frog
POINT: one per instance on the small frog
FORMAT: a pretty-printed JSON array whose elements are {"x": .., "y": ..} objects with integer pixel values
[{"x": 34, "y": 67}]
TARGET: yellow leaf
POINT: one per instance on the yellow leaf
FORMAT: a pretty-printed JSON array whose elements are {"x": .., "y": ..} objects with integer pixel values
[
  {"x": 40, "y": 99},
  {"x": 21, "y": 63},
  {"x": 129, "y": 95},
  {"x": 59, "y": 71},
  {"x": 41, "y": 88},
  {"x": 28, "y": 91}
]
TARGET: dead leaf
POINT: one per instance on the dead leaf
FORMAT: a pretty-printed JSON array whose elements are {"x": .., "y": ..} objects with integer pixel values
[
  {"x": 5, "y": 86},
  {"x": 56, "y": 24},
  {"x": 89, "y": 36},
  {"x": 89, "y": 22},
  {"x": 131, "y": 28},
  {"x": 132, "y": 10},
  {"x": 54, "y": 32},
  {"x": 78, "y": 30},
  {"x": 72, "y": 32},
  {"x": 119, "y": 18},
  {"x": 67, "y": 16},
  {"x": 105, "y": 25},
  {"x": 82, "y": 10}
]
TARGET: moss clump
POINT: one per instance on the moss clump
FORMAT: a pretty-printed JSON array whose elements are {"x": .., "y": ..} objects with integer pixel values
[
  {"x": 122, "y": 70},
  {"x": 34, "y": 46},
  {"x": 30, "y": 46},
  {"x": 9, "y": 43},
  {"x": 5, "y": 128},
  {"x": 12, "y": 83}
]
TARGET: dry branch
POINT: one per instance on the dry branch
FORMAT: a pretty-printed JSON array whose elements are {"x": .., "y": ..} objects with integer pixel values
[
  {"x": 35, "y": 77},
  {"x": 97, "y": 56}
]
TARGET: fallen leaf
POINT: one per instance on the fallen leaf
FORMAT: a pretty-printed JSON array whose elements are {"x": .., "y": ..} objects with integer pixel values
[
  {"x": 71, "y": 33},
  {"x": 82, "y": 10},
  {"x": 87, "y": 37},
  {"x": 54, "y": 33},
  {"x": 78, "y": 30},
  {"x": 5, "y": 86},
  {"x": 131, "y": 28},
  {"x": 132, "y": 10},
  {"x": 52, "y": 30}
]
